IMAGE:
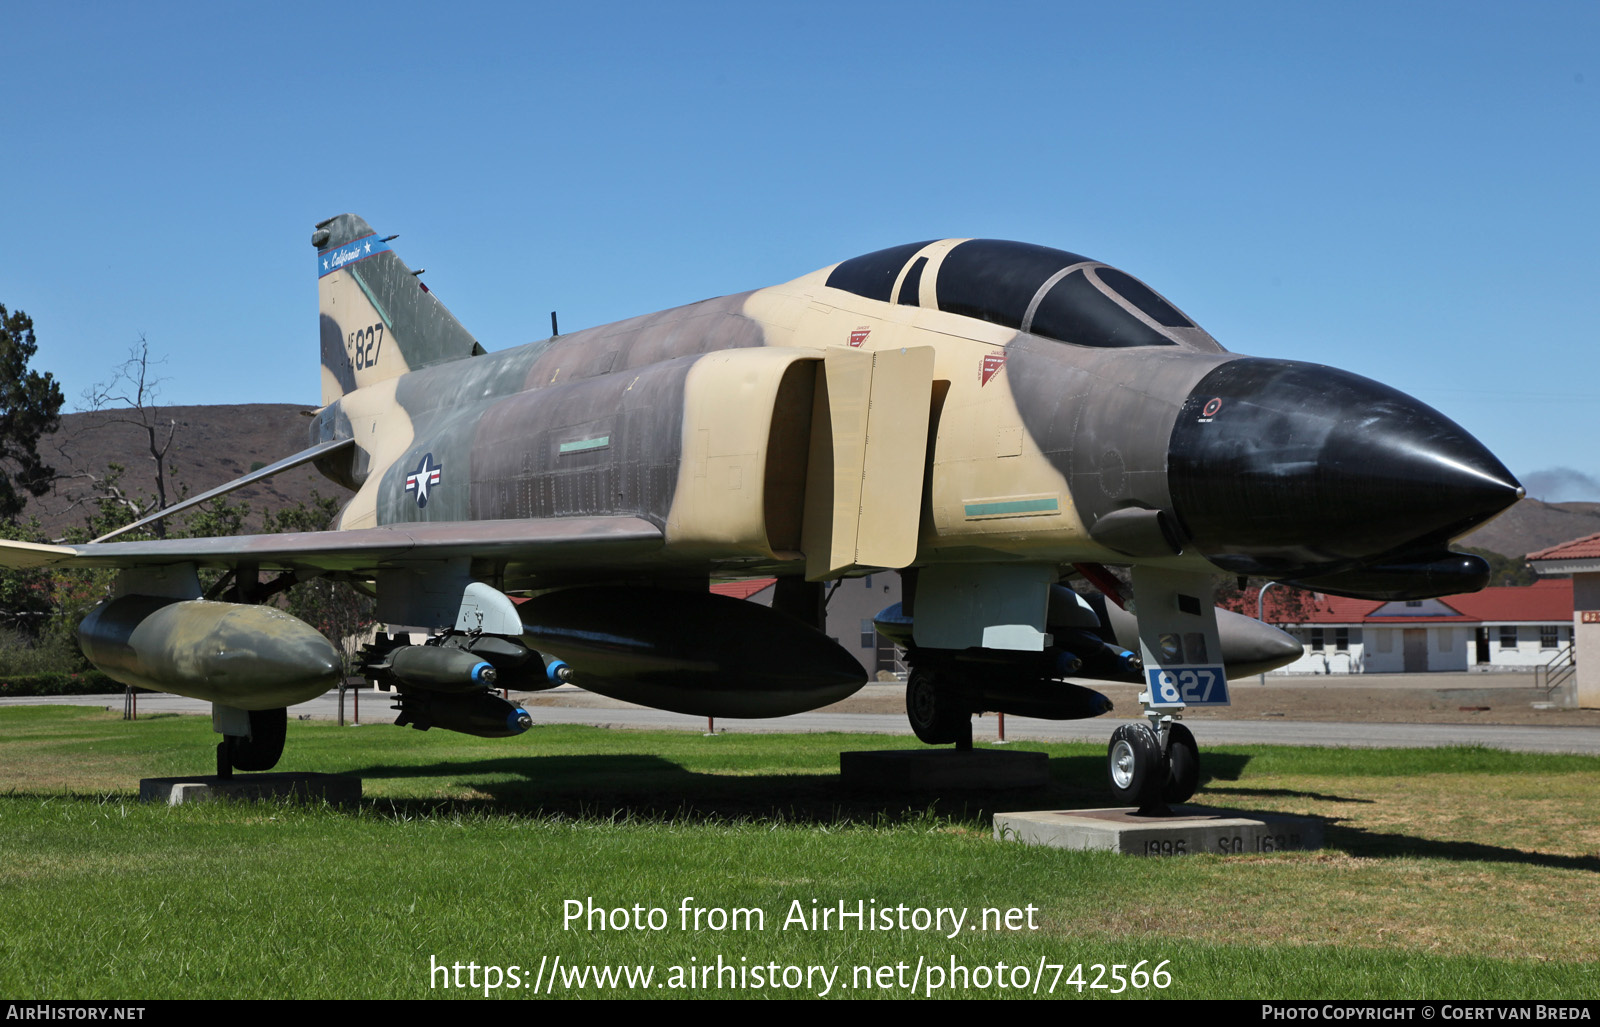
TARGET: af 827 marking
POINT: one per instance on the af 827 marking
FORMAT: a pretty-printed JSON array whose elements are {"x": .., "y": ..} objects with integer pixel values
[{"x": 365, "y": 343}]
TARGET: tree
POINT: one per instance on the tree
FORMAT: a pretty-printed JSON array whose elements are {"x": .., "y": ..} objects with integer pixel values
[
  {"x": 1505, "y": 570},
  {"x": 133, "y": 393},
  {"x": 1285, "y": 604},
  {"x": 30, "y": 406},
  {"x": 25, "y": 595}
]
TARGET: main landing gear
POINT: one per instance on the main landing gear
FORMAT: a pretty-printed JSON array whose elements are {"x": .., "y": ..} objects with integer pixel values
[
  {"x": 1154, "y": 765},
  {"x": 260, "y": 749},
  {"x": 938, "y": 716}
]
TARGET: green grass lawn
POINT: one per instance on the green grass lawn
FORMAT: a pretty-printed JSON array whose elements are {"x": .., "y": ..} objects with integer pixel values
[{"x": 1448, "y": 873}]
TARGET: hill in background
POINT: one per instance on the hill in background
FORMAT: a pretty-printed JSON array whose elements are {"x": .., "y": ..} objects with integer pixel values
[
  {"x": 1533, "y": 524},
  {"x": 212, "y": 445}
]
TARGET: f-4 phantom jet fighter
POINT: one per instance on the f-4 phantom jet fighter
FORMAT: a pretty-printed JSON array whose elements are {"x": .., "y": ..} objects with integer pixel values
[{"x": 999, "y": 422}]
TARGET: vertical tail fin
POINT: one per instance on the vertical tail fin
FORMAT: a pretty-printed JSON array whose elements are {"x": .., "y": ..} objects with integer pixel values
[{"x": 378, "y": 319}]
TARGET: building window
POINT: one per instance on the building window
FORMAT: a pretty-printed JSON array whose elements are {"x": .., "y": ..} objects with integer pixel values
[
  {"x": 1316, "y": 640},
  {"x": 1508, "y": 636},
  {"x": 869, "y": 637},
  {"x": 1414, "y": 603},
  {"x": 1341, "y": 639},
  {"x": 1549, "y": 636}
]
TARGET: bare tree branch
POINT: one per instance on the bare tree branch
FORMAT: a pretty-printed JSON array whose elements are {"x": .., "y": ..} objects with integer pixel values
[{"x": 132, "y": 396}]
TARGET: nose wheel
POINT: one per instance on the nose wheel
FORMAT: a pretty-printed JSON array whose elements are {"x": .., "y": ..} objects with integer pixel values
[
  {"x": 1137, "y": 768},
  {"x": 1183, "y": 765},
  {"x": 1144, "y": 776}
]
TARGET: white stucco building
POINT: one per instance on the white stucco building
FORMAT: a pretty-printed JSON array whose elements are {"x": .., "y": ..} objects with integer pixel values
[
  {"x": 1496, "y": 629},
  {"x": 1579, "y": 560}
]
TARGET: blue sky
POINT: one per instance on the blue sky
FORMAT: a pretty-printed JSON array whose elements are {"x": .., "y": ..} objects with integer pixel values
[{"x": 1407, "y": 190}]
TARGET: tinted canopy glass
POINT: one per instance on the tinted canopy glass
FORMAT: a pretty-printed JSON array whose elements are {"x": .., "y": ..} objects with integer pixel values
[
  {"x": 1074, "y": 310},
  {"x": 1049, "y": 292}
]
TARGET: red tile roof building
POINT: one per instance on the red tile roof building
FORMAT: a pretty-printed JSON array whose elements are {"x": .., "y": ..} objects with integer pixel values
[
  {"x": 744, "y": 588},
  {"x": 1496, "y": 629},
  {"x": 1586, "y": 550},
  {"x": 1579, "y": 561}
]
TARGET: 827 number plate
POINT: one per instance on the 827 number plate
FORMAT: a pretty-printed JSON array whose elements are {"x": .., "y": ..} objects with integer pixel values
[{"x": 1192, "y": 686}]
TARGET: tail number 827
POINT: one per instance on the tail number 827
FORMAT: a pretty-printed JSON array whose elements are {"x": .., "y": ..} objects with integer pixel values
[{"x": 365, "y": 344}]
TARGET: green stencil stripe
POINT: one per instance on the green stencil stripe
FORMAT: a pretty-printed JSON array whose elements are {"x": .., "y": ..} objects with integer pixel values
[
  {"x": 1013, "y": 506},
  {"x": 585, "y": 444}
]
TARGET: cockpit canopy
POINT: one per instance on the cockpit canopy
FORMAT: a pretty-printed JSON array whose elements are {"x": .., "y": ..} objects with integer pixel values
[{"x": 1051, "y": 293}]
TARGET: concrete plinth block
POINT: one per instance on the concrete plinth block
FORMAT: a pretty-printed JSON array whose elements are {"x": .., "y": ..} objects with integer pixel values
[
  {"x": 337, "y": 789},
  {"x": 943, "y": 769},
  {"x": 1187, "y": 831}
]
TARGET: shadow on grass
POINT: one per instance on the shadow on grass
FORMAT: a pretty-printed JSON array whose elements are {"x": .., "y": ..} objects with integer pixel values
[
  {"x": 1359, "y": 842},
  {"x": 647, "y": 787},
  {"x": 1222, "y": 766},
  {"x": 1288, "y": 793},
  {"x": 650, "y": 787}
]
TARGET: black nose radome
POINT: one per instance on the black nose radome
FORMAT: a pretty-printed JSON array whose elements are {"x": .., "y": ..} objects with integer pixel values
[{"x": 1283, "y": 468}]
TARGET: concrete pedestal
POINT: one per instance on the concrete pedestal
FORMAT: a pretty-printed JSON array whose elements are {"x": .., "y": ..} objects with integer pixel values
[
  {"x": 174, "y": 791},
  {"x": 943, "y": 769},
  {"x": 1189, "y": 830}
]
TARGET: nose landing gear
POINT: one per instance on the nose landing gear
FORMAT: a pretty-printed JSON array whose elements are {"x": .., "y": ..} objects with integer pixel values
[{"x": 1153, "y": 766}]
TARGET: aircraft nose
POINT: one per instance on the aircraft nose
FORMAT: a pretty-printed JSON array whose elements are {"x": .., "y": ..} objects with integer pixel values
[{"x": 1283, "y": 468}]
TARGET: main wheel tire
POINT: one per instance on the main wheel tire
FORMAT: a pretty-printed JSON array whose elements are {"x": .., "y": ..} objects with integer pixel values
[
  {"x": 1136, "y": 769},
  {"x": 936, "y": 718},
  {"x": 264, "y": 747},
  {"x": 1183, "y": 765}
]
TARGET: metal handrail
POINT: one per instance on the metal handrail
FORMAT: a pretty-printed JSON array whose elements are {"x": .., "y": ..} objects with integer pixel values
[{"x": 1557, "y": 670}]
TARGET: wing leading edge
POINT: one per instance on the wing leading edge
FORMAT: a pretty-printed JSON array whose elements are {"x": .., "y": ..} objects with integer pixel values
[{"x": 562, "y": 542}]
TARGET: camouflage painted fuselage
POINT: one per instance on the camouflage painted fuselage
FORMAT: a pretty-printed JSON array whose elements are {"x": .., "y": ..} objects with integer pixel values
[{"x": 957, "y": 401}]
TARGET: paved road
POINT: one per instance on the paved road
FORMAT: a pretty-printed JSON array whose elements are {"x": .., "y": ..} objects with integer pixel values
[{"x": 375, "y": 710}]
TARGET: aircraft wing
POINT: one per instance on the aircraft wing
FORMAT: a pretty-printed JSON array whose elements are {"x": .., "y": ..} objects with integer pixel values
[{"x": 550, "y": 542}]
